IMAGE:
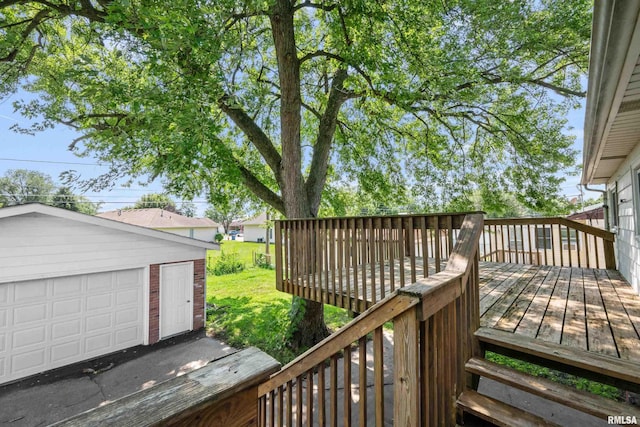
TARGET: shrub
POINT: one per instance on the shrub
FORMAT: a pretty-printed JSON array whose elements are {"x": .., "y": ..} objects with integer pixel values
[
  {"x": 219, "y": 237},
  {"x": 227, "y": 264},
  {"x": 262, "y": 260}
]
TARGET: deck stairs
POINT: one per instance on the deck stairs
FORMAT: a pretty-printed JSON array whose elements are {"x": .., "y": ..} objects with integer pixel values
[{"x": 606, "y": 369}]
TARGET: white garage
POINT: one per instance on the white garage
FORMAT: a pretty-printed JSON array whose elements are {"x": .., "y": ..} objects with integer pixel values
[{"x": 74, "y": 287}]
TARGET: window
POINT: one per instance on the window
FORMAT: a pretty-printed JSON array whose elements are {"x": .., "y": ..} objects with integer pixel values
[
  {"x": 543, "y": 238},
  {"x": 613, "y": 206},
  {"x": 569, "y": 238}
]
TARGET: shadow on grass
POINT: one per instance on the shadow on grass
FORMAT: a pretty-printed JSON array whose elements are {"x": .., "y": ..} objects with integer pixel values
[{"x": 242, "y": 322}]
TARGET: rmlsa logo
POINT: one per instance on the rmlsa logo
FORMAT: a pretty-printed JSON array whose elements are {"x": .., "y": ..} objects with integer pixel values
[{"x": 622, "y": 419}]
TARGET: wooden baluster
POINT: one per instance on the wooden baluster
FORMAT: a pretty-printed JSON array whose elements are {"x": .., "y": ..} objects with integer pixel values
[
  {"x": 412, "y": 248},
  {"x": 553, "y": 245},
  {"x": 322, "y": 421},
  {"x": 280, "y": 406},
  {"x": 449, "y": 225},
  {"x": 425, "y": 246},
  {"x": 509, "y": 243},
  {"x": 524, "y": 261},
  {"x": 388, "y": 223},
  {"x": 271, "y": 408},
  {"x": 561, "y": 248},
  {"x": 289, "y": 403},
  {"x": 363, "y": 260},
  {"x": 371, "y": 246},
  {"x": 299, "y": 401},
  {"x": 309, "y": 405},
  {"x": 596, "y": 251},
  {"x": 401, "y": 254},
  {"x": 313, "y": 258},
  {"x": 378, "y": 372},
  {"x": 341, "y": 263},
  {"x": 438, "y": 239},
  {"x": 569, "y": 230},
  {"x": 346, "y": 420},
  {"x": 362, "y": 365},
  {"x": 333, "y": 391},
  {"x": 348, "y": 254},
  {"x": 381, "y": 255},
  {"x": 278, "y": 250}
]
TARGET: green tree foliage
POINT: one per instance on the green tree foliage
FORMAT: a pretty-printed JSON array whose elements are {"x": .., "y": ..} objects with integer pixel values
[
  {"x": 20, "y": 186},
  {"x": 401, "y": 98},
  {"x": 155, "y": 200},
  {"x": 229, "y": 204},
  {"x": 65, "y": 199},
  {"x": 188, "y": 209}
]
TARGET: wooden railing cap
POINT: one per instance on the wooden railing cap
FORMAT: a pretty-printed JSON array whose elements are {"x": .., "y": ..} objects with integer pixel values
[{"x": 218, "y": 380}]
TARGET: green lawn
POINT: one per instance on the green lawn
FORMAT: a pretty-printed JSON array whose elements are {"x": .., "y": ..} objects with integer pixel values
[{"x": 247, "y": 310}]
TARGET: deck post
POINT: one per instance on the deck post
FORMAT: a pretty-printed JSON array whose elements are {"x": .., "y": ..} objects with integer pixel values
[
  {"x": 609, "y": 255},
  {"x": 406, "y": 368}
]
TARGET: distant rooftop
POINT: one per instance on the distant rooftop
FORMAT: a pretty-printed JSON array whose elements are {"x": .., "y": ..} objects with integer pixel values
[{"x": 157, "y": 218}]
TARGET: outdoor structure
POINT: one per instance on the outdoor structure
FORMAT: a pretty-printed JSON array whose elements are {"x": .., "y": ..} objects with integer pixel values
[
  {"x": 74, "y": 287},
  {"x": 255, "y": 229},
  {"x": 612, "y": 125},
  {"x": 590, "y": 215},
  {"x": 171, "y": 222}
]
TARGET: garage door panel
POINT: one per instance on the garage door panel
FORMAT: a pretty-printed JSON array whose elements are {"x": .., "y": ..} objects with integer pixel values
[
  {"x": 98, "y": 322},
  {"x": 101, "y": 281},
  {"x": 29, "y": 314},
  {"x": 68, "y": 307},
  {"x": 50, "y": 323},
  {"x": 124, "y": 317},
  {"x": 98, "y": 343},
  {"x": 127, "y": 297},
  {"x": 67, "y": 286},
  {"x": 65, "y": 352},
  {"x": 128, "y": 335},
  {"x": 30, "y": 292},
  {"x": 28, "y": 337},
  {"x": 28, "y": 362},
  {"x": 99, "y": 302},
  {"x": 66, "y": 329}
]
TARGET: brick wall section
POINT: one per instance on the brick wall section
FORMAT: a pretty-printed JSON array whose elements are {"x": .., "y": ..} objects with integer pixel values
[
  {"x": 199, "y": 280},
  {"x": 199, "y": 283},
  {"x": 154, "y": 303}
]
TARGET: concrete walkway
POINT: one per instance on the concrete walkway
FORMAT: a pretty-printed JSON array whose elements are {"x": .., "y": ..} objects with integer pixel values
[{"x": 40, "y": 405}]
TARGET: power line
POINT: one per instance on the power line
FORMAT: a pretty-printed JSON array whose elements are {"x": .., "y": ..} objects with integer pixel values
[{"x": 50, "y": 162}]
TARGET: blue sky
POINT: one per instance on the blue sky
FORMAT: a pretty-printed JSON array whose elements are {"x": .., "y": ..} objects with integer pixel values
[{"x": 47, "y": 152}]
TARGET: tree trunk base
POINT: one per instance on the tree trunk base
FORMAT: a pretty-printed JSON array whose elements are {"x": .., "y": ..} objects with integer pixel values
[{"x": 307, "y": 324}]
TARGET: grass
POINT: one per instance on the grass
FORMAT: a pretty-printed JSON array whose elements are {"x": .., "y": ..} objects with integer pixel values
[
  {"x": 246, "y": 309},
  {"x": 579, "y": 383}
]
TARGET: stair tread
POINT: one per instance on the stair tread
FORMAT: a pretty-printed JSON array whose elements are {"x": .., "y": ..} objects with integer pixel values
[
  {"x": 497, "y": 412},
  {"x": 589, "y": 403},
  {"x": 582, "y": 359}
]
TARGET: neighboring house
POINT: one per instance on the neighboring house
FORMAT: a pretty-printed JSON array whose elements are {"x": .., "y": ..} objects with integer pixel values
[
  {"x": 590, "y": 215},
  {"x": 612, "y": 125},
  {"x": 75, "y": 287},
  {"x": 171, "y": 222},
  {"x": 255, "y": 229}
]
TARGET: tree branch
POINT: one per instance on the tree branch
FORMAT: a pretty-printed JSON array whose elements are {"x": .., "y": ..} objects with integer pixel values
[
  {"x": 307, "y": 3},
  {"x": 255, "y": 134},
  {"x": 322, "y": 148},
  {"x": 259, "y": 189}
]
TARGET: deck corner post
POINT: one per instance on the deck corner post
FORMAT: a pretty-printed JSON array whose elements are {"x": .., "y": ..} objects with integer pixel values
[{"x": 406, "y": 368}]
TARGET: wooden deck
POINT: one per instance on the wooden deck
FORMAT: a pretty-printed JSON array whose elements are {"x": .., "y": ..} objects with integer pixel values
[{"x": 589, "y": 309}]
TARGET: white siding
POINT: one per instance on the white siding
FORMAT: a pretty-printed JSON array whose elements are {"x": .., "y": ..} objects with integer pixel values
[
  {"x": 37, "y": 246},
  {"x": 628, "y": 237},
  {"x": 252, "y": 233}
]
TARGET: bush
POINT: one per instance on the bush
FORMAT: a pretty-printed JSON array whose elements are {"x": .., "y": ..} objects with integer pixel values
[
  {"x": 219, "y": 237},
  {"x": 227, "y": 264},
  {"x": 262, "y": 260}
]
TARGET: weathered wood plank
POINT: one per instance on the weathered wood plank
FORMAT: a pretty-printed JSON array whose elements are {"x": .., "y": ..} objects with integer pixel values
[
  {"x": 494, "y": 305},
  {"x": 198, "y": 392},
  {"x": 515, "y": 312},
  {"x": 498, "y": 413},
  {"x": 552, "y": 323},
  {"x": 551, "y": 390},
  {"x": 574, "y": 332},
  {"x": 406, "y": 387},
  {"x": 598, "y": 328},
  {"x": 532, "y": 319},
  {"x": 625, "y": 335}
]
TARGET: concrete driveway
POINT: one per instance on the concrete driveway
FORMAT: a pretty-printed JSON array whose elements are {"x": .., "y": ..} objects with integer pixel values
[{"x": 93, "y": 384}]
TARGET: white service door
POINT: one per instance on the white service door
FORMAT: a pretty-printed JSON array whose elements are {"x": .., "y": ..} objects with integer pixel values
[
  {"x": 176, "y": 296},
  {"x": 46, "y": 324}
]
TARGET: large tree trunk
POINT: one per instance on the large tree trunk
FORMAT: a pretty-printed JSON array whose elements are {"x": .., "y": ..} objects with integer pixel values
[{"x": 307, "y": 317}]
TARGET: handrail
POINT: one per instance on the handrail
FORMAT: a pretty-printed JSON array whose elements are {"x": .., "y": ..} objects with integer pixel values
[
  {"x": 433, "y": 324},
  {"x": 552, "y": 241}
]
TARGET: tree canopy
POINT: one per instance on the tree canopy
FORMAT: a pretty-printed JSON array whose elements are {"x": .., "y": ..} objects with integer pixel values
[
  {"x": 155, "y": 200},
  {"x": 404, "y": 98}
]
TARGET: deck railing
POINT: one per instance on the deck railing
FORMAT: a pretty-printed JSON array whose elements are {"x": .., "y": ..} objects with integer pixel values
[
  {"x": 353, "y": 262},
  {"x": 341, "y": 381},
  {"x": 547, "y": 241}
]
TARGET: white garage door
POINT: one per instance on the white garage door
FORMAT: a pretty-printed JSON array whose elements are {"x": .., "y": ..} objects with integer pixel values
[{"x": 46, "y": 324}]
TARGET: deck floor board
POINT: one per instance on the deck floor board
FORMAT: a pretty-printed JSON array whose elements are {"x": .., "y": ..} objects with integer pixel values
[{"x": 588, "y": 309}]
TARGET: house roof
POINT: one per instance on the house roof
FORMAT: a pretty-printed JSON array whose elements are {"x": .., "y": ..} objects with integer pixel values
[
  {"x": 259, "y": 219},
  {"x": 37, "y": 208},
  {"x": 612, "y": 121},
  {"x": 589, "y": 212},
  {"x": 157, "y": 218}
]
